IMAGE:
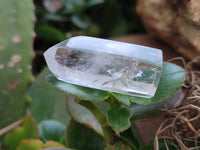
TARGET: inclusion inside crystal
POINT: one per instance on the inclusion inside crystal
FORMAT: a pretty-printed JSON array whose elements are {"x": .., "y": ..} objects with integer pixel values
[{"x": 106, "y": 69}]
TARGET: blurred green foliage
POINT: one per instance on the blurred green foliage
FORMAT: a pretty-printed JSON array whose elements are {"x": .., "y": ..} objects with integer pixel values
[
  {"x": 58, "y": 20},
  {"x": 61, "y": 19}
]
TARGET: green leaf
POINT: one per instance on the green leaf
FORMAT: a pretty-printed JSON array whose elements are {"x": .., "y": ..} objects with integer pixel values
[
  {"x": 140, "y": 112},
  {"x": 74, "y": 6},
  {"x": 52, "y": 144},
  {"x": 119, "y": 28},
  {"x": 136, "y": 136},
  {"x": 91, "y": 3},
  {"x": 30, "y": 144},
  {"x": 132, "y": 137},
  {"x": 81, "y": 137},
  {"x": 93, "y": 30},
  {"x": 50, "y": 34},
  {"x": 129, "y": 137},
  {"x": 82, "y": 115},
  {"x": 124, "y": 99},
  {"x": 170, "y": 81},
  {"x": 47, "y": 103},
  {"x": 51, "y": 130},
  {"x": 118, "y": 117},
  {"x": 28, "y": 130},
  {"x": 55, "y": 17},
  {"x": 109, "y": 18},
  {"x": 78, "y": 6},
  {"x": 81, "y": 20},
  {"x": 78, "y": 92},
  {"x": 35, "y": 144}
]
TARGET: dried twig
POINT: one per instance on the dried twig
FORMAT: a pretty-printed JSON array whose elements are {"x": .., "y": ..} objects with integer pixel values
[
  {"x": 10, "y": 127},
  {"x": 182, "y": 124}
]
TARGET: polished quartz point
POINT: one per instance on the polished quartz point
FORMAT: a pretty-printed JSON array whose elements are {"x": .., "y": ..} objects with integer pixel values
[{"x": 106, "y": 65}]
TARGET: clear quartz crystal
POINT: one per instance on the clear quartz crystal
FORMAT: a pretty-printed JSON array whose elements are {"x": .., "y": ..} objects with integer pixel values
[{"x": 106, "y": 65}]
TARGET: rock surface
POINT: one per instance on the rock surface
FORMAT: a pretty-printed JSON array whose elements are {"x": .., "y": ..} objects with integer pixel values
[{"x": 177, "y": 22}]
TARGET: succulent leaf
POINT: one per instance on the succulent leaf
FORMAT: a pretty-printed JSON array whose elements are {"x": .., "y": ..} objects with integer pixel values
[
  {"x": 170, "y": 82},
  {"x": 27, "y": 131},
  {"x": 35, "y": 144},
  {"x": 51, "y": 130},
  {"x": 82, "y": 115},
  {"x": 16, "y": 36},
  {"x": 81, "y": 137},
  {"x": 77, "y": 91},
  {"x": 47, "y": 102}
]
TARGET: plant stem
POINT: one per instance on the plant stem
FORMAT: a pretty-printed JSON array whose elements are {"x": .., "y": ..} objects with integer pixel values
[
  {"x": 108, "y": 133},
  {"x": 10, "y": 127}
]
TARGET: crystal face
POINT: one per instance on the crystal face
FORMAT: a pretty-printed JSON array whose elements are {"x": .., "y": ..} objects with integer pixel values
[{"x": 106, "y": 65}]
